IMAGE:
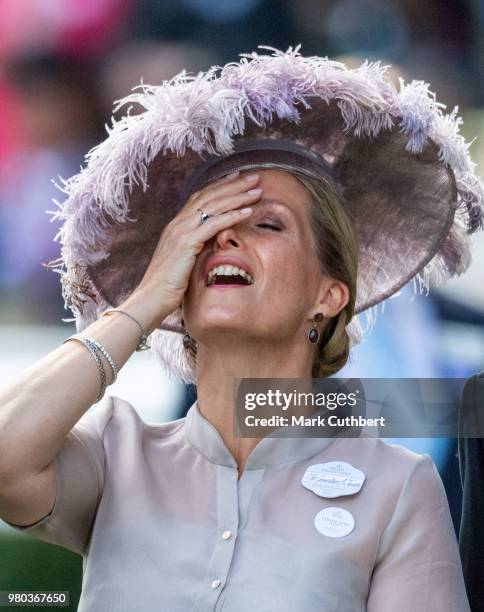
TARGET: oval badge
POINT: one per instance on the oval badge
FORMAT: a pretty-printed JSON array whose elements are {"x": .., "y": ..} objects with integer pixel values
[{"x": 333, "y": 479}]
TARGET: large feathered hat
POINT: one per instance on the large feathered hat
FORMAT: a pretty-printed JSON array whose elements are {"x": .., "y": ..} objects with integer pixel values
[{"x": 401, "y": 166}]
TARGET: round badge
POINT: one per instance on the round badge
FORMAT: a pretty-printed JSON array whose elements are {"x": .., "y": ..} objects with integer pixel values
[
  {"x": 334, "y": 522},
  {"x": 333, "y": 479}
]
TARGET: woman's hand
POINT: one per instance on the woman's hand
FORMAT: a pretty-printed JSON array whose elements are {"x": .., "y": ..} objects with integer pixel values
[{"x": 166, "y": 278}]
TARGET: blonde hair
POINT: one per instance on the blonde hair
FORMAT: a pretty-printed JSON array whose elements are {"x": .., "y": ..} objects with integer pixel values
[{"x": 337, "y": 252}]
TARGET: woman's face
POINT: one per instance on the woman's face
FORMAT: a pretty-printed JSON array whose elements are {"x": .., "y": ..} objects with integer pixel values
[{"x": 276, "y": 246}]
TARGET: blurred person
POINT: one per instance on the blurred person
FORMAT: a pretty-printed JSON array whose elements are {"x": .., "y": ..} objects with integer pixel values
[
  {"x": 242, "y": 222},
  {"x": 432, "y": 41},
  {"x": 73, "y": 28},
  {"x": 471, "y": 463},
  {"x": 149, "y": 61},
  {"x": 11, "y": 125},
  {"x": 221, "y": 27},
  {"x": 58, "y": 99},
  {"x": 61, "y": 119}
]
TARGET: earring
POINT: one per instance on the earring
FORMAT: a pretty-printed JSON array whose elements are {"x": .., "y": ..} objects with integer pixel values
[
  {"x": 188, "y": 343},
  {"x": 313, "y": 334},
  {"x": 187, "y": 339}
]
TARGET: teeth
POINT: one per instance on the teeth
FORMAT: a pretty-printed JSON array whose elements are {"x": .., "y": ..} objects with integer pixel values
[{"x": 226, "y": 270}]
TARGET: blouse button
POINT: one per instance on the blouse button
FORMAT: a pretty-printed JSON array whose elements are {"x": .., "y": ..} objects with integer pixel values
[
  {"x": 226, "y": 535},
  {"x": 215, "y": 584}
]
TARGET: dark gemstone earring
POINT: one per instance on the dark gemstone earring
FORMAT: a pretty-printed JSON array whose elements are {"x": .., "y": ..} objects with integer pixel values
[
  {"x": 187, "y": 339},
  {"x": 313, "y": 334},
  {"x": 188, "y": 344}
]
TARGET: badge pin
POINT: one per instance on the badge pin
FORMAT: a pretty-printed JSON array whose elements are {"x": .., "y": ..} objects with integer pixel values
[
  {"x": 333, "y": 479},
  {"x": 334, "y": 522}
]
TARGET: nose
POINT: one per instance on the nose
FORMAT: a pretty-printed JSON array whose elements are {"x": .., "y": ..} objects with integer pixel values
[{"x": 227, "y": 238}]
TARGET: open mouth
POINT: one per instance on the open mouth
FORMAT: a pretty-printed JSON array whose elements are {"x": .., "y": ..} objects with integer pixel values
[{"x": 228, "y": 275}]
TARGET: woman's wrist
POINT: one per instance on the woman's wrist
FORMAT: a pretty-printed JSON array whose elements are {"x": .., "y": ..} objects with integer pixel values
[{"x": 143, "y": 307}]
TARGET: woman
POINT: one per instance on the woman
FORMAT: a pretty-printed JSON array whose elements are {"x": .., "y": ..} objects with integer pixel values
[{"x": 184, "y": 515}]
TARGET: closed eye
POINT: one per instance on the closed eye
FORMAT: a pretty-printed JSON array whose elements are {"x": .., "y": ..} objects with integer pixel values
[{"x": 276, "y": 228}]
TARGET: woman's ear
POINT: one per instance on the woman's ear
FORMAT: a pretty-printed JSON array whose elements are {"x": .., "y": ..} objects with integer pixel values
[{"x": 332, "y": 297}]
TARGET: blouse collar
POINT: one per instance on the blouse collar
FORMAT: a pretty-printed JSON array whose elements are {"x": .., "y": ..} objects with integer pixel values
[{"x": 269, "y": 452}]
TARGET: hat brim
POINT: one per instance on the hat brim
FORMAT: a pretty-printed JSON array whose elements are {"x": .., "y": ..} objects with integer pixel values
[{"x": 402, "y": 204}]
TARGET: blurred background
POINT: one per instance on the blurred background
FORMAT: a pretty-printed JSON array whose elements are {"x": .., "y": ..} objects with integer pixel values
[{"x": 64, "y": 62}]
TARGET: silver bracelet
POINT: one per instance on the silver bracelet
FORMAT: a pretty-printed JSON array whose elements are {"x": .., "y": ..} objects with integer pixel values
[
  {"x": 100, "y": 366},
  {"x": 143, "y": 343},
  {"x": 103, "y": 350}
]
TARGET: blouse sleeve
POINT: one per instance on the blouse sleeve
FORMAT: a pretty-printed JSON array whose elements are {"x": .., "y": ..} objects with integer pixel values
[
  {"x": 418, "y": 565},
  {"x": 79, "y": 471}
]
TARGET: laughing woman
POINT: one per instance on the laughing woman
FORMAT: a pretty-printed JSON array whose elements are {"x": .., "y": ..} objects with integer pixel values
[{"x": 242, "y": 222}]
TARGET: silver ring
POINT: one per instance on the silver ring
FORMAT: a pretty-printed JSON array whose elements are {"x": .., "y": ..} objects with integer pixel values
[{"x": 203, "y": 216}]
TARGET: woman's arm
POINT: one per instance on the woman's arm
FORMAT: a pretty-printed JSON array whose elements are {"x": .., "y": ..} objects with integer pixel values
[
  {"x": 43, "y": 403},
  {"x": 418, "y": 565},
  {"x": 41, "y": 406}
]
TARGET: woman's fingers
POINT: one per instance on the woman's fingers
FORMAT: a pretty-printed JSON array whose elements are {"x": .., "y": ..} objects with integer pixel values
[
  {"x": 222, "y": 221},
  {"x": 208, "y": 197},
  {"x": 219, "y": 208},
  {"x": 207, "y": 188}
]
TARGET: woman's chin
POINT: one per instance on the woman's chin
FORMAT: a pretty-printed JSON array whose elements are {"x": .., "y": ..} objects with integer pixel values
[{"x": 223, "y": 323}]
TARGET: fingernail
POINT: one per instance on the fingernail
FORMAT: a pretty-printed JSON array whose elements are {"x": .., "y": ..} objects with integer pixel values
[
  {"x": 254, "y": 191},
  {"x": 245, "y": 211},
  {"x": 251, "y": 177}
]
